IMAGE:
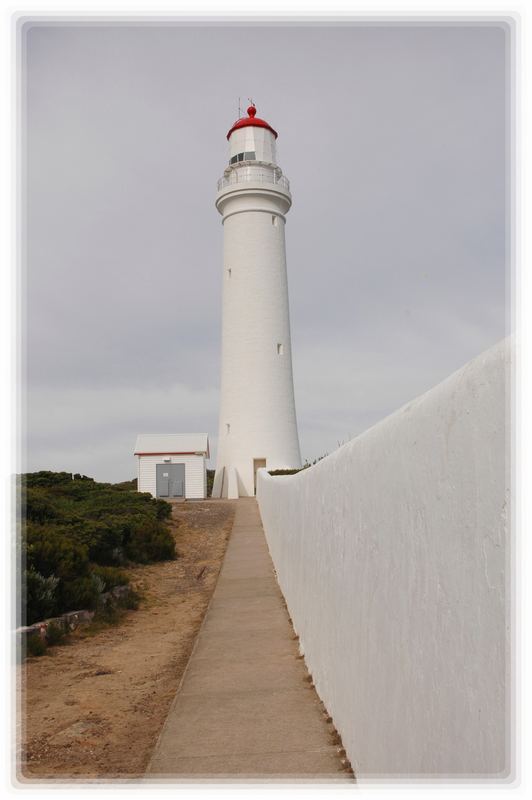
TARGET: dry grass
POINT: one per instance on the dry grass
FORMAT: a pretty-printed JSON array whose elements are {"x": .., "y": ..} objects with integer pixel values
[{"x": 94, "y": 707}]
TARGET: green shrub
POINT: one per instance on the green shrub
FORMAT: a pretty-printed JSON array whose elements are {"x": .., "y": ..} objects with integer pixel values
[
  {"x": 285, "y": 471},
  {"x": 39, "y": 506},
  {"x": 111, "y": 576},
  {"x": 47, "y": 479},
  {"x": 81, "y": 593},
  {"x": 163, "y": 509},
  {"x": 55, "y": 634},
  {"x": 150, "y": 541},
  {"x": 39, "y": 596},
  {"x": 77, "y": 532},
  {"x": 131, "y": 600},
  {"x": 35, "y": 645},
  {"x": 110, "y": 614},
  {"x": 52, "y": 550},
  {"x": 126, "y": 486},
  {"x": 102, "y": 538}
]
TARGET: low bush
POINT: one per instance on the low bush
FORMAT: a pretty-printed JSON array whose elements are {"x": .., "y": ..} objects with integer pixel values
[
  {"x": 131, "y": 600},
  {"x": 110, "y": 614},
  {"x": 35, "y": 645},
  {"x": 55, "y": 634},
  {"x": 126, "y": 486},
  {"x": 81, "y": 593},
  {"x": 164, "y": 509},
  {"x": 285, "y": 471},
  {"x": 39, "y": 595},
  {"x": 77, "y": 533},
  {"x": 111, "y": 576},
  {"x": 150, "y": 542}
]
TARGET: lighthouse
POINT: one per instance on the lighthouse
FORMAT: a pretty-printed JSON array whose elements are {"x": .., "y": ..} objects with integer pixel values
[{"x": 258, "y": 426}]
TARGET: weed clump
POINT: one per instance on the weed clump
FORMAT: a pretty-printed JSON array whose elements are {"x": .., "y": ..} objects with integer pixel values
[
  {"x": 55, "y": 634},
  {"x": 35, "y": 645},
  {"x": 132, "y": 600}
]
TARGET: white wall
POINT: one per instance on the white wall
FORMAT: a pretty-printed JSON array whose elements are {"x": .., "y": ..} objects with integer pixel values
[
  {"x": 195, "y": 475},
  {"x": 393, "y": 557}
]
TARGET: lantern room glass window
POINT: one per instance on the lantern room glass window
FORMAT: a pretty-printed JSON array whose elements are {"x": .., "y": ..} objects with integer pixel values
[{"x": 248, "y": 156}]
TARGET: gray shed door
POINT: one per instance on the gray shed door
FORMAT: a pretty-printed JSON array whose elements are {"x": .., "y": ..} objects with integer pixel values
[{"x": 170, "y": 480}]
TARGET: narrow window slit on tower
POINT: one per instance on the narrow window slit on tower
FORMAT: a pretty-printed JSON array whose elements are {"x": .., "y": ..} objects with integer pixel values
[
  {"x": 280, "y": 349},
  {"x": 274, "y": 220},
  {"x": 229, "y": 272},
  {"x": 227, "y": 427}
]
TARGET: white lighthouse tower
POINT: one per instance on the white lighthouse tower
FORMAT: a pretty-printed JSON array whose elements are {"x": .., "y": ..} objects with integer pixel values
[{"x": 258, "y": 425}]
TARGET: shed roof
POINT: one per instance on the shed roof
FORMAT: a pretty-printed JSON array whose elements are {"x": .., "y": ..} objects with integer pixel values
[{"x": 171, "y": 443}]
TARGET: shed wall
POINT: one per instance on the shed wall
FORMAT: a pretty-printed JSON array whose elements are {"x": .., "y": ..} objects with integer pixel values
[{"x": 195, "y": 475}]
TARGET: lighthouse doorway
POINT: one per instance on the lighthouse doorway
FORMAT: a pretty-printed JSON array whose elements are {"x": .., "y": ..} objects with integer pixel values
[{"x": 258, "y": 463}]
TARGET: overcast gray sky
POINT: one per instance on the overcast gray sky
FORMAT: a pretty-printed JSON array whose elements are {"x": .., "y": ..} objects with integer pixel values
[{"x": 393, "y": 139}]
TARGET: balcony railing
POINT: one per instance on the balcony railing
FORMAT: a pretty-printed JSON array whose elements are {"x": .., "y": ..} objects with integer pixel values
[{"x": 255, "y": 175}]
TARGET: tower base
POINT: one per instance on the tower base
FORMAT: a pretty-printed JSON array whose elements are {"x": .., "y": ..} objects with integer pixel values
[{"x": 228, "y": 487}]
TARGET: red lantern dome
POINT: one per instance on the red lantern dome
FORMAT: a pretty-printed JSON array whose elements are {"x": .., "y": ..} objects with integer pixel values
[{"x": 251, "y": 121}]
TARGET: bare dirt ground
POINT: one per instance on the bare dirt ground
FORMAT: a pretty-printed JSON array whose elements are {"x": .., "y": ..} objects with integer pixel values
[{"x": 93, "y": 708}]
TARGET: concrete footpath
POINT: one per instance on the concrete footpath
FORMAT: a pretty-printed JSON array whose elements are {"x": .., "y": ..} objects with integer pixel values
[{"x": 245, "y": 708}]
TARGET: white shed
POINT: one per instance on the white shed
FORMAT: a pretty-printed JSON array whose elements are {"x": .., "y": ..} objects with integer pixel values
[{"x": 172, "y": 464}]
